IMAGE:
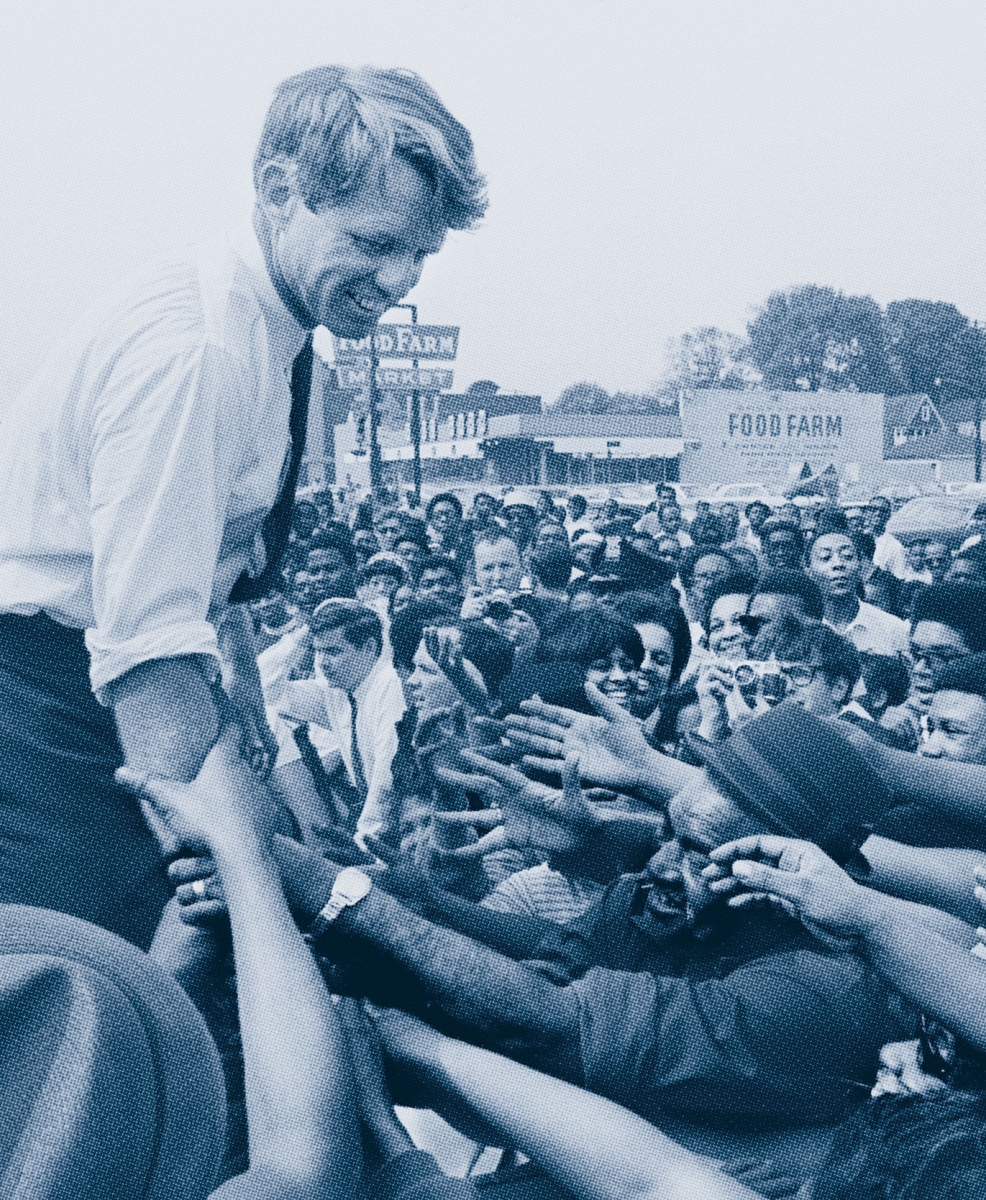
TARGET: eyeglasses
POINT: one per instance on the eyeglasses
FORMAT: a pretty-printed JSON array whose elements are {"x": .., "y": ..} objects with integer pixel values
[{"x": 936, "y": 658}]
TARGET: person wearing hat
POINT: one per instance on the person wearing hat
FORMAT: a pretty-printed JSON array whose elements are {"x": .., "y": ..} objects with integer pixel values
[
  {"x": 673, "y": 1004},
  {"x": 520, "y": 514},
  {"x": 381, "y": 577}
]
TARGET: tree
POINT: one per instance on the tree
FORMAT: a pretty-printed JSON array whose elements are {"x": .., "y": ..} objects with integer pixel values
[
  {"x": 707, "y": 357},
  {"x": 583, "y": 398},
  {"x": 931, "y": 349},
  {"x": 814, "y": 337}
]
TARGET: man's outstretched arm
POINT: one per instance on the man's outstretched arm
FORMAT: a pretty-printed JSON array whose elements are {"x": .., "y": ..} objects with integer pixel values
[{"x": 500, "y": 1001}]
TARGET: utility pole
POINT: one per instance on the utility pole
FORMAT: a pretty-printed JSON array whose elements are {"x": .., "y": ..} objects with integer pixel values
[
  {"x": 415, "y": 420},
  {"x": 376, "y": 464}
]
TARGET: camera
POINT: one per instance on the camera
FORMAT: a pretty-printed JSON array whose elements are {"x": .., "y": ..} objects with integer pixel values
[{"x": 499, "y": 605}]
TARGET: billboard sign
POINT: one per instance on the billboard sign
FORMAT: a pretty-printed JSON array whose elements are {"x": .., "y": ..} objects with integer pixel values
[
  {"x": 759, "y": 436},
  {"x": 352, "y": 376},
  {"x": 401, "y": 341}
]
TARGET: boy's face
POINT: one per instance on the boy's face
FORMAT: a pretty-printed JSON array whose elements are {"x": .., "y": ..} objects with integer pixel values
[{"x": 344, "y": 665}]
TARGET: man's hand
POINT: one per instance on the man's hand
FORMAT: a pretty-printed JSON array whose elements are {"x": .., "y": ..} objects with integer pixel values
[
  {"x": 446, "y": 650},
  {"x": 800, "y": 878},
  {"x": 610, "y": 747},
  {"x": 529, "y": 813}
]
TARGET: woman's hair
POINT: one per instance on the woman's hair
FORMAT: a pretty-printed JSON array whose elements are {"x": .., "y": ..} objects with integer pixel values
[
  {"x": 340, "y": 126},
  {"x": 584, "y": 637},
  {"x": 640, "y": 608},
  {"x": 909, "y": 1148},
  {"x": 444, "y": 498},
  {"x": 692, "y": 554},
  {"x": 739, "y": 584},
  {"x": 489, "y": 652}
]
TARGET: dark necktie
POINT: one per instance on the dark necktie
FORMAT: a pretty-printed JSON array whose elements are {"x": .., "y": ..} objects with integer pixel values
[
  {"x": 359, "y": 774},
  {"x": 276, "y": 528}
]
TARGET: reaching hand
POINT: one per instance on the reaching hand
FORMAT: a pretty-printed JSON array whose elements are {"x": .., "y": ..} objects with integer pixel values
[
  {"x": 799, "y": 877},
  {"x": 531, "y": 814},
  {"x": 610, "y": 747},
  {"x": 446, "y": 650}
]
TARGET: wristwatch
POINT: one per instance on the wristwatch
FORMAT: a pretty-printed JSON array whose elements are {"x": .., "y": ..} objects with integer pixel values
[{"x": 351, "y": 886}]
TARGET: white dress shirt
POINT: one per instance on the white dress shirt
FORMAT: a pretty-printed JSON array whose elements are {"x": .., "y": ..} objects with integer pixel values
[
  {"x": 873, "y": 631},
  {"x": 380, "y": 701},
  {"x": 138, "y": 464},
  {"x": 890, "y": 555}
]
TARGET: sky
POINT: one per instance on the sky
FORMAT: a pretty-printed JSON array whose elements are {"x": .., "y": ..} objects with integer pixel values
[{"x": 653, "y": 165}]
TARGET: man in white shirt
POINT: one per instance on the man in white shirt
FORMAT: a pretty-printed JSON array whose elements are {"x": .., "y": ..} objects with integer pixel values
[
  {"x": 148, "y": 472},
  {"x": 834, "y": 565},
  {"x": 890, "y": 553}
]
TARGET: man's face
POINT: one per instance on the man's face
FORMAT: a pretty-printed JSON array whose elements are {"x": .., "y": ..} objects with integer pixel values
[
  {"x": 344, "y": 665},
  {"x": 521, "y": 523},
  {"x": 834, "y": 565},
  {"x": 877, "y": 515},
  {"x": 933, "y": 647},
  {"x": 915, "y": 554},
  {"x": 655, "y": 671},
  {"x": 441, "y": 584},
  {"x": 670, "y": 517},
  {"x": 484, "y": 509},
  {"x": 412, "y": 555},
  {"x": 328, "y": 576},
  {"x": 756, "y": 514},
  {"x": 444, "y": 518},
  {"x": 727, "y": 637},
  {"x": 576, "y": 508},
  {"x": 710, "y": 569},
  {"x": 498, "y": 566},
  {"x": 957, "y": 727},
  {"x": 349, "y": 263},
  {"x": 937, "y": 559},
  {"x": 729, "y": 515},
  {"x": 702, "y": 818},
  {"x": 823, "y": 695},
  {"x": 386, "y": 528},
  {"x": 550, "y": 535},
  {"x": 783, "y": 550}
]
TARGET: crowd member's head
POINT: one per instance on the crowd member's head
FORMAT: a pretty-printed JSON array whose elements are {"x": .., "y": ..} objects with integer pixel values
[
  {"x": 957, "y": 715},
  {"x": 830, "y": 519},
  {"x": 781, "y": 596},
  {"x": 669, "y": 515},
  {"x": 444, "y": 514},
  {"x": 326, "y": 506},
  {"x": 909, "y": 1147},
  {"x": 666, "y": 494},
  {"x": 883, "y": 590},
  {"x": 700, "y": 570},
  {"x": 576, "y": 507},
  {"x": 948, "y": 623},
  {"x": 348, "y": 639},
  {"x": 387, "y": 525},
  {"x": 381, "y": 577},
  {"x": 609, "y": 649},
  {"x": 365, "y": 545},
  {"x": 823, "y": 669},
  {"x": 609, "y": 511},
  {"x": 668, "y": 550},
  {"x": 498, "y": 564},
  {"x": 834, "y": 565},
  {"x": 789, "y": 512},
  {"x": 588, "y": 549},
  {"x": 730, "y": 518},
  {"x": 545, "y": 507},
  {"x": 551, "y": 567},
  {"x": 358, "y": 174},
  {"x": 757, "y": 514},
  {"x": 440, "y": 580},
  {"x": 865, "y": 544},
  {"x": 887, "y": 682},
  {"x": 426, "y": 686},
  {"x": 915, "y": 551},
  {"x": 304, "y": 519},
  {"x": 484, "y": 510},
  {"x": 783, "y": 544},
  {"x": 667, "y": 644},
  {"x": 725, "y": 604},
  {"x": 550, "y": 535},
  {"x": 937, "y": 560},
  {"x": 330, "y": 570},
  {"x": 520, "y": 515},
  {"x": 855, "y": 520},
  {"x": 783, "y": 770},
  {"x": 877, "y": 514},
  {"x": 745, "y": 560},
  {"x": 968, "y": 566},
  {"x": 708, "y": 531},
  {"x": 411, "y": 547}
]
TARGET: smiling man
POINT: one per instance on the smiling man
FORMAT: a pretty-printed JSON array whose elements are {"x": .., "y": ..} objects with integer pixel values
[{"x": 149, "y": 468}]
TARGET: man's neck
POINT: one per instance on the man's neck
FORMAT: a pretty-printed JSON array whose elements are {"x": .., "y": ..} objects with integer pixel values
[
  {"x": 842, "y": 611},
  {"x": 291, "y": 302}
]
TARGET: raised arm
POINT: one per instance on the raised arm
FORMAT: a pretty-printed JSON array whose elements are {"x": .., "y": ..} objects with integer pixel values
[
  {"x": 303, "y": 1129},
  {"x": 922, "y": 952},
  {"x": 924, "y": 875},
  {"x": 585, "y": 1143}
]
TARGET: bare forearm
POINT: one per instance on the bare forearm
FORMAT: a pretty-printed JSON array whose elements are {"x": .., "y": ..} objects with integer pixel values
[
  {"x": 940, "y": 878},
  {"x": 237, "y": 648},
  {"x": 588, "y": 1144},
  {"x": 300, "y": 1104},
  {"x": 166, "y": 717},
  {"x": 659, "y": 777},
  {"x": 956, "y": 788}
]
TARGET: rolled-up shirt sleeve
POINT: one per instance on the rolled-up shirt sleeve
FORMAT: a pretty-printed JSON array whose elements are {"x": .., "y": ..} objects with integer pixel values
[{"x": 161, "y": 463}]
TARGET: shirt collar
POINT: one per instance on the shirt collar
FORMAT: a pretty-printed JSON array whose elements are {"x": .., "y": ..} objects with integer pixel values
[{"x": 286, "y": 334}]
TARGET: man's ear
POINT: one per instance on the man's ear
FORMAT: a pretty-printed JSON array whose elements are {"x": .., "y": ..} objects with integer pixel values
[{"x": 277, "y": 191}]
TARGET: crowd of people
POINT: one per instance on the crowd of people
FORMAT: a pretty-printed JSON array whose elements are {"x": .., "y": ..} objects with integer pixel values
[
  {"x": 632, "y": 829},
  {"x": 648, "y": 853}
]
